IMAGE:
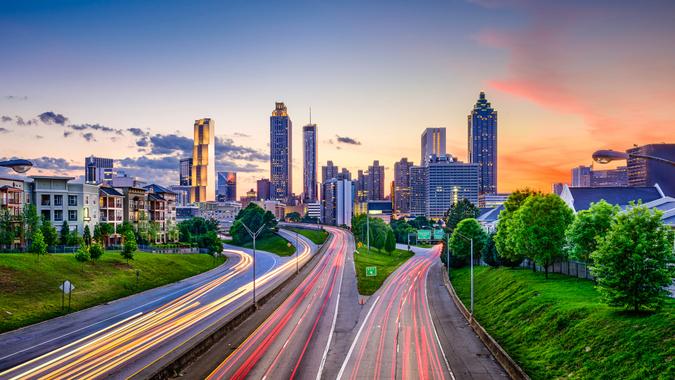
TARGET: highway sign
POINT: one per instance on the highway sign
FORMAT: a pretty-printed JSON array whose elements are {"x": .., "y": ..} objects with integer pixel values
[
  {"x": 371, "y": 271},
  {"x": 439, "y": 234},
  {"x": 423, "y": 234},
  {"x": 67, "y": 287}
]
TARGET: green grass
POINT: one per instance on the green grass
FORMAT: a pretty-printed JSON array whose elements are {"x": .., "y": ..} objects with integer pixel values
[
  {"x": 559, "y": 328},
  {"x": 385, "y": 263},
  {"x": 29, "y": 290},
  {"x": 273, "y": 243},
  {"x": 316, "y": 236}
]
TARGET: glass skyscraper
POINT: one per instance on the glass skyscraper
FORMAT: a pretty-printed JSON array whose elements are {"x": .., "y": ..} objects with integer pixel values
[
  {"x": 432, "y": 144},
  {"x": 203, "y": 162},
  {"x": 185, "y": 172},
  {"x": 483, "y": 143},
  {"x": 309, "y": 175},
  {"x": 281, "y": 151},
  {"x": 227, "y": 187}
]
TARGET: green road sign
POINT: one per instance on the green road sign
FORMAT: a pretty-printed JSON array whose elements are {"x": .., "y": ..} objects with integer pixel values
[
  {"x": 439, "y": 234},
  {"x": 371, "y": 271},
  {"x": 423, "y": 234}
]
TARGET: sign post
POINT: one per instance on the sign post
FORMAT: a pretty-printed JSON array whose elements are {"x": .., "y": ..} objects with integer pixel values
[
  {"x": 371, "y": 271},
  {"x": 66, "y": 288}
]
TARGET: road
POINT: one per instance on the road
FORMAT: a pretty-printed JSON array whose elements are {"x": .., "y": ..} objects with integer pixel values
[
  {"x": 294, "y": 341},
  {"x": 124, "y": 337},
  {"x": 398, "y": 338}
]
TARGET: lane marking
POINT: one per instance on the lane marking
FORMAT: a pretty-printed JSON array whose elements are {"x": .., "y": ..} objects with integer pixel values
[
  {"x": 356, "y": 338},
  {"x": 438, "y": 341}
]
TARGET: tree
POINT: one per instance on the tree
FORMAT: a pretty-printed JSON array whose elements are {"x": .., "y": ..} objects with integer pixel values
[
  {"x": 49, "y": 233},
  {"x": 489, "y": 252},
  {"x": 460, "y": 241},
  {"x": 31, "y": 221},
  {"x": 38, "y": 245},
  {"x": 254, "y": 217},
  {"x": 74, "y": 238},
  {"x": 293, "y": 217},
  {"x": 86, "y": 236},
  {"x": 631, "y": 264},
  {"x": 107, "y": 229},
  {"x": 130, "y": 246},
  {"x": 459, "y": 211},
  {"x": 82, "y": 255},
  {"x": 96, "y": 251},
  {"x": 587, "y": 228},
  {"x": 7, "y": 228},
  {"x": 212, "y": 242},
  {"x": 390, "y": 242},
  {"x": 419, "y": 222},
  {"x": 508, "y": 254},
  {"x": 172, "y": 232},
  {"x": 538, "y": 228},
  {"x": 64, "y": 233}
]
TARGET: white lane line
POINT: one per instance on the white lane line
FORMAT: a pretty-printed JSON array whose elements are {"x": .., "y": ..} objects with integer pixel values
[
  {"x": 438, "y": 341},
  {"x": 356, "y": 338}
]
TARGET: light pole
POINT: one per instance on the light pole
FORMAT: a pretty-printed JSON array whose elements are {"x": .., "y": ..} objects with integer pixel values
[
  {"x": 471, "y": 240},
  {"x": 605, "y": 156},
  {"x": 253, "y": 235},
  {"x": 18, "y": 165},
  {"x": 297, "y": 250}
]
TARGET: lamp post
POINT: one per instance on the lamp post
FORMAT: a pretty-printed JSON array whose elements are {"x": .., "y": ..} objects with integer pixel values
[
  {"x": 297, "y": 250},
  {"x": 253, "y": 235},
  {"x": 605, "y": 156},
  {"x": 471, "y": 240},
  {"x": 18, "y": 165}
]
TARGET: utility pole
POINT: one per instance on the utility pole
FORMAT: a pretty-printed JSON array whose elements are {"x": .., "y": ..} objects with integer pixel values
[
  {"x": 368, "y": 229},
  {"x": 297, "y": 243},
  {"x": 253, "y": 235}
]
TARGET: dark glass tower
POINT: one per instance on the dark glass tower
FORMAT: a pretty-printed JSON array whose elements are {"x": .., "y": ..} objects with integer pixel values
[
  {"x": 309, "y": 177},
  {"x": 281, "y": 152},
  {"x": 483, "y": 144}
]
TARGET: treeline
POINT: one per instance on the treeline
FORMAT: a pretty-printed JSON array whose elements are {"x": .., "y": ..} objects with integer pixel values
[{"x": 376, "y": 231}]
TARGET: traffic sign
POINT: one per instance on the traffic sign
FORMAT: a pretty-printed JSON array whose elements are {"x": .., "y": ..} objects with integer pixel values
[
  {"x": 67, "y": 287},
  {"x": 423, "y": 234},
  {"x": 371, "y": 271},
  {"x": 439, "y": 234}
]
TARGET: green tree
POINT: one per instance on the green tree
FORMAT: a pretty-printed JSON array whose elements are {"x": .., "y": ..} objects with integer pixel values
[
  {"x": 49, "y": 233},
  {"x": 419, "y": 222},
  {"x": 632, "y": 263},
  {"x": 8, "y": 231},
  {"x": 38, "y": 245},
  {"x": 31, "y": 221},
  {"x": 98, "y": 234},
  {"x": 508, "y": 254},
  {"x": 588, "y": 227},
  {"x": 459, "y": 211},
  {"x": 460, "y": 242},
  {"x": 538, "y": 228},
  {"x": 64, "y": 233},
  {"x": 293, "y": 217},
  {"x": 172, "y": 232},
  {"x": 86, "y": 236},
  {"x": 390, "y": 242},
  {"x": 130, "y": 246},
  {"x": 254, "y": 217},
  {"x": 74, "y": 238},
  {"x": 82, "y": 255},
  {"x": 96, "y": 251},
  {"x": 107, "y": 229},
  {"x": 489, "y": 252}
]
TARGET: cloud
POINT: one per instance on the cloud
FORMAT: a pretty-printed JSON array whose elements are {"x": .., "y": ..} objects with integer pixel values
[
  {"x": 88, "y": 136},
  {"x": 231, "y": 166},
  {"x": 163, "y": 163},
  {"x": 160, "y": 170},
  {"x": 347, "y": 140},
  {"x": 4, "y": 130},
  {"x": 50, "y": 117},
  {"x": 137, "y": 132},
  {"x": 21, "y": 122},
  {"x": 51, "y": 163},
  {"x": 239, "y": 134},
  {"x": 39, "y": 137},
  {"x": 94, "y": 127},
  {"x": 169, "y": 144},
  {"x": 67, "y": 133},
  {"x": 227, "y": 149},
  {"x": 6, "y": 119}
]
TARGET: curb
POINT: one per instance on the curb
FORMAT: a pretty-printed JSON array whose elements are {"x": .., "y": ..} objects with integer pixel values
[{"x": 511, "y": 367}]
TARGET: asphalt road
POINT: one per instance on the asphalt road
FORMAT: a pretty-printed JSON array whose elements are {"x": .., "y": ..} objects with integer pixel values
[
  {"x": 294, "y": 341},
  {"x": 123, "y": 337}
]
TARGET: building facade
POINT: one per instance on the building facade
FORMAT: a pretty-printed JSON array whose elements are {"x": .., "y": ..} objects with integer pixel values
[
  {"x": 185, "y": 171},
  {"x": 648, "y": 172},
  {"x": 432, "y": 144},
  {"x": 182, "y": 194},
  {"x": 111, "y": 210},
  {"x": 375, "y": 183},
  {"x": 12, "y": 201},
  {"x": 222, "y": 212},
  {"x": 161, "y": 208},
  {"x": 58, "y": 200},
  {"x": 401, "y": 191},
  {"x": 448, "y": 182},
  {"x": 309, "y": 172},
  {"x": 329, "y": 171},
  {"x": 338, "y": 202},
  {"x": 482, "y": 126},
  {"x": 263, "y": 189},
  {"x": 587, "y": 176},
  {"x": 281, "y": 153},
  {"x": 227, "y": 187},
  {"x": 98, "y": 170},
  {"x": 361, "y": 186},
  {"x": 581, "y": 176},
  {"x": 418, "y": 191},
  {"x": 203, "y": 162}
]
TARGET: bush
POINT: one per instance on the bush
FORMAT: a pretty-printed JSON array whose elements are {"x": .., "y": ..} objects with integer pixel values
[
  {"x": 96, "y": 251},
  {"x": 460, "y": 245},
  {"x": 130, "y": 246},
  {"x": 82, "y": 254}
]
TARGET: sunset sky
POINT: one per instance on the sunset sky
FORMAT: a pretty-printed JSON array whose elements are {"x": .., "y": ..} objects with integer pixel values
[{"x": 127, "y": 79}]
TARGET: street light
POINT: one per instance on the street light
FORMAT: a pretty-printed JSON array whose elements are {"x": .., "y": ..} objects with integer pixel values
[
  {"x": 606, "y": 156},
  {"x": 471, "y": 240},
  {"x": 19, "y": 166},
  {"x": 253, "y": 235}
]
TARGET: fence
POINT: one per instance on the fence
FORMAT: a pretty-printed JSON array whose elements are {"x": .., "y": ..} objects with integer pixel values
[{"x": 571, "y": 268}]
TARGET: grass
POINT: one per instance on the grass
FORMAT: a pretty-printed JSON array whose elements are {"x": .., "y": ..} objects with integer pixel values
[
  {"x": 272, "y": 243},
  {"x": 316, "y": 236},
  {"x": 30, "y": 289},
  {"x": 385, "y": 263},
  {"x": 559, "y": 328}
]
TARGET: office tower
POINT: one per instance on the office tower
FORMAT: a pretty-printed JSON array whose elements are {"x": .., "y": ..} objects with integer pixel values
[
  {"x": 375, "y": 181},
  {"x": 309, "y": 177},
  {"x": 281, "y": 152},
  {"x": 185, "y": 172},
  {"x": 182, "y": 194},
  {"x": 98, "y": 170},
  {"x": 418, "y": 191},
  {"x": 483, "y": 143},
  {"x": 648, "y": 172},
  {"x": 401, "y": 190},
  {"x": 433, "y": 144},
  {"x": 361, "y": 187},
  {"x": 263, "y": 187},
  {"x": 203, "y": 162},
  {"x": 610, "y": 178},
  {"x": 227, "y": 187},
  {"x": 344, "y": 174},
  {"x": 581, "y": 176},
  {"x": 338, "y": 202},
  {"x": 329, "y": 171},
  {"x": 448, "y": 182},
  {"x": 557, "y": 188}
]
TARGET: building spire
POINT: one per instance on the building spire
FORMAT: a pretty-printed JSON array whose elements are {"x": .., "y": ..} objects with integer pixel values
[{"x": 310, "y": 115}]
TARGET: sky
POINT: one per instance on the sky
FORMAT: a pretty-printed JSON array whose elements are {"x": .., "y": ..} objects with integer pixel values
[{"x": 127, "y": 79}]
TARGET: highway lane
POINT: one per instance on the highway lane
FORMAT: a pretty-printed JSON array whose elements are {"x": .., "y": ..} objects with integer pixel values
[
  {"x": 134, "y": 339},
  {"x": 294, "y": 341}
]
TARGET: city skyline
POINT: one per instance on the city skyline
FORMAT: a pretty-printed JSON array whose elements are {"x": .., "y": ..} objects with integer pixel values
[{"x": 141, "y": 116}]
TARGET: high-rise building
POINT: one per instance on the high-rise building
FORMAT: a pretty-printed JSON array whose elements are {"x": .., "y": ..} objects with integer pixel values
[
  {"x": 581, "y": 176},
  {"x": 203, "y": 162},
  {"x": 648, "y": 172},
  {"x": 185, "y": 171},
  {"x": 328, "y": 172},
  {"x": 338, "y": 202},
  {"x": 401, "y": 191},
  {"x": 448, "y": 182},
  {"x": 281, "y": 153},
  {"x": 375, "y": 181},
  {"x": 309, "y": 175},
  {"x": 361, "y": 187},
  {"x": 98, "y": 170},
  {"x": 263, "y": 186},
  {"x": 483, "y": 143},
  {"x": 345, "y": 174},
  {"x": 610, "y": 178},
  {"x": 433, "y": 144},
  {"x": 227, "y": 187},
  {"x": 418, "y": 191}
]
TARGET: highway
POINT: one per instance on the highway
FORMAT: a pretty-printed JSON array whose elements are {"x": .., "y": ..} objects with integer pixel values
[
  {"x": 293, "y": 342},
  {"x": 121, "y": 338}
]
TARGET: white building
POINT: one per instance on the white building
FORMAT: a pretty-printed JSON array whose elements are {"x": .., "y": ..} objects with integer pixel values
[
  {"x": 223, "y": 212},
  {"x": 338, "y": 202}
]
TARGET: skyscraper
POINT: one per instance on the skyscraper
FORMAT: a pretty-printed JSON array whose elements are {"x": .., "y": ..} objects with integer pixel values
[
  {"x": 337, "y": 202},
  {"x": 581, "y": 176},
  {"x": 203, "y": 162},
  {"x": 648, "y": 172},
  {"x": 433, "y": 144},
  {"x": 345, "y": 174},
  {"x": 185, "y": 172},
  {"x": 418, "y": 191},
  {"x": 482, "y": 128},
  {"x": 309, "y": 176},
  {"x": 281, "y": 152},
  {"x": 227, "y": 187},
  {"x": 263, "y": 187},
  {"x": 448, "y": 182},
  {"x": 98, "y": 170},
  {"x": 401, "y": 190},
  {"x": 329, "y": 171},
  {"x": 375, "y": 181},
  {"x": 361, "y": 187}
]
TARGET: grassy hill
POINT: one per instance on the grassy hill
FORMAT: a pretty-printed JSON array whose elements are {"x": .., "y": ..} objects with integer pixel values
[
  {"x": 385, "y": 263},
  {"x": 316, "y": 236},
  {"x": 272, "y": 243}
]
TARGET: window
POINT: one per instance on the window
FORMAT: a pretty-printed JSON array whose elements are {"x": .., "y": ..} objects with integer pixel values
[
  {"x": 86, "y": 199},
  {"x": 72, "y": 215},
  {"x": 58, "y": 215},
  {"x": 45, "y": 200},
  {"x": 58, "y": 200},
  {"x": 72, "y": 200},
  {"x": 46, "y": 215}
]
